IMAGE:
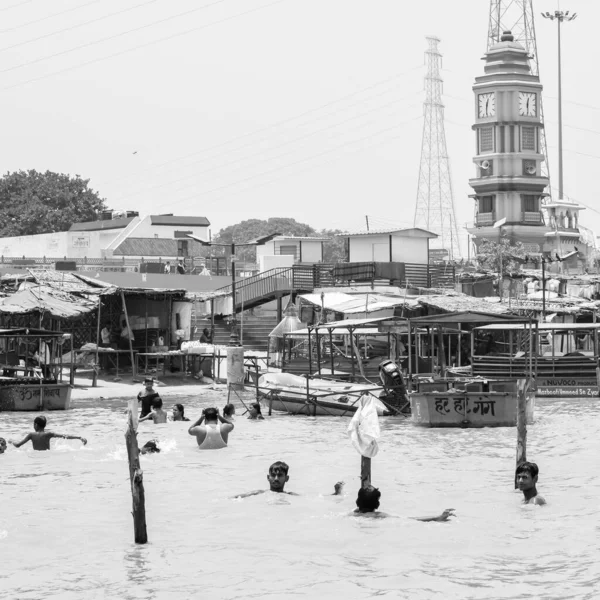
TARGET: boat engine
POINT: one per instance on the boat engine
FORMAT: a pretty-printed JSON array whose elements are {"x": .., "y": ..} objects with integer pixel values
[{"x": 395, "y": 389}]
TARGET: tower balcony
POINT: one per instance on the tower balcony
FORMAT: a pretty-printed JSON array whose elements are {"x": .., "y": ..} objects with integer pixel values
[
  {"x": 532, "y": 218},
  {"x": 482, "y": 219}
]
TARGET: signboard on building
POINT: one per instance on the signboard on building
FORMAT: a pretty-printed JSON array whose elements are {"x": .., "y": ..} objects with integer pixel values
[
  {"x": 81, "y": 240},
  {"x": 438, "y": 255}
]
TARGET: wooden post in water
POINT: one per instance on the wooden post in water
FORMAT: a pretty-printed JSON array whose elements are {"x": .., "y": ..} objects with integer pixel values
[
  {"x": 365, "y": 471},
  {"x": 136, "y": 477},
  {"x": 521, "y": 423}
]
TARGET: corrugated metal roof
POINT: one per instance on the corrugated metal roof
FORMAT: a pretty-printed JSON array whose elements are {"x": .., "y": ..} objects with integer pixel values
[
  {"x": 349, "y": 304},
  {"x": 294, "y": 238},
  {"x": 184, "y": 221},
  {"x": 429, "y": 234},
  {"x": 101, "y": 225}
]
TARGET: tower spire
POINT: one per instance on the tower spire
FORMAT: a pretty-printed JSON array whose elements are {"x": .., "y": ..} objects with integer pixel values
[
  {"x": 516, "y": 16},
  {"x": 434, "y": 208}
]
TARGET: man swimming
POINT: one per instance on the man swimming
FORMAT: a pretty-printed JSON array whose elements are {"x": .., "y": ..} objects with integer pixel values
[
  {"x": 40, "y": 438},
  {"x": 367, "y": 502},
  {"x": 278, "y": 477},
  {"x": 158, "y": 415},
  {"x": 2, "y": 445},
  {"x": 527, "y": 476},
  {"x": 214, "y": 434}
]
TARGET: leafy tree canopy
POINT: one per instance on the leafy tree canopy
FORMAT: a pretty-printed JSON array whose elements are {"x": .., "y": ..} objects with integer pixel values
[
  {"x": 502, "y": 256},
  {"x": 334, "y": 250},
  {"x": 33, "y": 202}
]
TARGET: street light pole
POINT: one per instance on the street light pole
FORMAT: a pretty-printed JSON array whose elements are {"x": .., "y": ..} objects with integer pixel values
[{"x": 560, "y": 16}]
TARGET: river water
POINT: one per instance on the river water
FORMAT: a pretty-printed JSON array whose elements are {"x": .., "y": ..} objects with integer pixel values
[{"x": 66, "y": 530}]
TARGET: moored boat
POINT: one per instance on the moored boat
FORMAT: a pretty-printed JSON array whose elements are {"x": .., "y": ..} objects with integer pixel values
[
  {"x": 35, "y": 396},
  {"x": 294, "y": 394}
]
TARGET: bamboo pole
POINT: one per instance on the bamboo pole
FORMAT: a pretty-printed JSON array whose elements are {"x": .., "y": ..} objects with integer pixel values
[
  {"x": 136, "y": 477},
  {"x": 521, "y": 423},
  {"x": 96, "y": 365},
  {"x": 130, "y": 333}
]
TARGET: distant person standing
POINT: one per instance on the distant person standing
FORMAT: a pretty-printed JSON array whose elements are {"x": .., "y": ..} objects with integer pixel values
[
  {"x": 147, "y": 397},
  {"x": 180, "y": 268},
  {"x": 214, "y": 434},
  {"x": 206, "y": 338},
  {"x": 168, "y": 268}
]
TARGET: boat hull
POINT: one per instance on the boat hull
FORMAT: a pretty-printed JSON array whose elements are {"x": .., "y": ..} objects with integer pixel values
[
  {"x": 35, "y": 397},
  {"x": 491, "y": 409},
  {"x": 315, "y": 408}
]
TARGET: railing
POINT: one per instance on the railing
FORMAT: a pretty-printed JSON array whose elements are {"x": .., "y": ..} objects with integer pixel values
[
  {"x": 535, "y": 218},
  {"x": 485, "y": 218}
]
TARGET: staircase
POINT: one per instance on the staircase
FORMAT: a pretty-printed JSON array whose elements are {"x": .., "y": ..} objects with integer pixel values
[{"x": 255, "y": 332}]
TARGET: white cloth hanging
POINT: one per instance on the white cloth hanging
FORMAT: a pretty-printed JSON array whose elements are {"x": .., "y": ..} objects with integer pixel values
[{"x": 364, "y": 428}]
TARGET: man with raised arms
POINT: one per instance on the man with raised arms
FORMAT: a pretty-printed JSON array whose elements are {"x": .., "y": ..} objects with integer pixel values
[
  {"x": 214, "y": 434},
  {"x": 527, "y": 476},
  {"x": 40, "y": 438}
]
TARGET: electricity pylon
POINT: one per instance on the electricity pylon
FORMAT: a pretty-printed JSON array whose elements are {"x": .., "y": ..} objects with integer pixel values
[{"x": 434, "y": 209}]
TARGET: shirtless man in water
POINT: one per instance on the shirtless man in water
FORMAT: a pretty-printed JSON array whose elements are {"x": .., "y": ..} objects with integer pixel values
[
  {"x": 527, "y": 476},
  {"x": 278, "y": 477},
  {"x": 368, "y": 503},
  {"x": 41, "y": 438}
]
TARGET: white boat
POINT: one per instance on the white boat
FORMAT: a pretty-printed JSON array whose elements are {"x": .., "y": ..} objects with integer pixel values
[
  {"x": 484, "y": 403},
  {"x": 316, "y": 397},
  {"x": 19, "y": 396}
]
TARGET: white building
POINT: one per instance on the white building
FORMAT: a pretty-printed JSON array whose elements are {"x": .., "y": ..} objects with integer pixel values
[
  {"x": 286, "y": 250},
  {"x": 154, "y": 235},
  {"x": 397, "y": 245}
]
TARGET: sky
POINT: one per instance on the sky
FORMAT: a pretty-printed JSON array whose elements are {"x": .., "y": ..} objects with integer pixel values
[{"x": 238, "y": 109}]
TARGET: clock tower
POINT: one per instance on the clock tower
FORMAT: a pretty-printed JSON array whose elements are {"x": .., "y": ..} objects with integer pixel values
[{"x": 508, "y": 185}]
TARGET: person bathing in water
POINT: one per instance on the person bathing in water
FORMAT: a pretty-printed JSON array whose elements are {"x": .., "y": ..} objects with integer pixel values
[
  {"x": 254, "y": 411},
  {"x": 229, "y": 412},
  {"x": 40, "y": 438},
  {"x": 2, "y": 445},
  {"x": 214, "y": 434},
  {"x": 367, "y": 502},
  {"x": 147, "y": 397},
  {"x": 278, "y": 477},
  {"x": 158, "y": 415},
  {"x": 178, "y": 413},
  {"x": 527, "y": 476}
]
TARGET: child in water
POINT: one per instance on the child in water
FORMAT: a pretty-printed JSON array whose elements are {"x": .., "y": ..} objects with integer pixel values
[
  {"x": 2, "y": 445},
  {"x": 40, "y": 438},
  {"x": 158, "y": 415},
  {"x": 527, "y": 476},
  {"x": 254, "y": 412}
]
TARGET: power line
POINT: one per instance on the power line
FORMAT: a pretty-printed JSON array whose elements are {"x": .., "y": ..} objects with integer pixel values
[
  {"x": 53, "y": 33},
  {"x": 271, "y": 126},
  {"x": 111, "y": 37},
  {"x": 58, "y": 14},
  {"x": 340, "y": 146},
  {"x": 151, "y": 43},
  {"x": 243, "y": 158},
  {"x": 15, "y": 5}
]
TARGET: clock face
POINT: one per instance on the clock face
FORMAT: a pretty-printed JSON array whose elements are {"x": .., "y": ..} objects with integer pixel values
[
  {"x": 527, "y": 104},
  {"x": 487, "y": 105}
]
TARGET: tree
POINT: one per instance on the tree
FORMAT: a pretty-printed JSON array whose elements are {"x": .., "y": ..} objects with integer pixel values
[
  {"x": 334, "y": 250},
  {"x": 501, "y": 256},
  {"x": 33, "y": 202}
]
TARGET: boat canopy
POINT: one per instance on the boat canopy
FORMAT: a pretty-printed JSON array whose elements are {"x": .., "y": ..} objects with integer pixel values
[
  {"x": 468, "y": 316},
  {"x": 543, "y": 326}
]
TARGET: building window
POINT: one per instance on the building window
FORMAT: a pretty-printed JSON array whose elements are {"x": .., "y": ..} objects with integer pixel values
[
  {"x": 528, "y": 138},
  {"x": 486, "y": 139},
  {"x": 502, "y": 140},
  {"x": 486, "y": 204},
  {"x": 182, "y": 248},
  {"x": 511, "y": 144},
  {"x": 530, "y": 203}
]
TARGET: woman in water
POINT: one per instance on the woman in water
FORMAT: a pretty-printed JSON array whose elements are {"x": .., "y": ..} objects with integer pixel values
[
  {"x": 228, "y": 412},
  {"x": 255, "y": 412},
  {"x": 178, "y": 413}
]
